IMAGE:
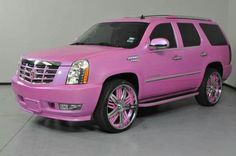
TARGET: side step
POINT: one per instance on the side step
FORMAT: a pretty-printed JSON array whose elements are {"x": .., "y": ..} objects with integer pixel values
[{"x": 167, "y": 100}]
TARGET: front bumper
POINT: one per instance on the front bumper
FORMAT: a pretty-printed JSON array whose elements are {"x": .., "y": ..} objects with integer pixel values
[{"x": 44, "y": 100}]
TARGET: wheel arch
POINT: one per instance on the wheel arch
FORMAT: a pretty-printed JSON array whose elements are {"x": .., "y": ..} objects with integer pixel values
[
  {"x": 216, "y": 65},
  {"x": 128, "y": 76}
]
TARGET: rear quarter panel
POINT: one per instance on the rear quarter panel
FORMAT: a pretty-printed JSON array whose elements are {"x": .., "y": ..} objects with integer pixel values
[{"x": 216, "y": 53}]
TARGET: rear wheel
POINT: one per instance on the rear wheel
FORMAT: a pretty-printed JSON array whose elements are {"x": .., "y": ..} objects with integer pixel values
[
  {"x": 211, "y": 88},
  {"x": 117, "y": 107}
]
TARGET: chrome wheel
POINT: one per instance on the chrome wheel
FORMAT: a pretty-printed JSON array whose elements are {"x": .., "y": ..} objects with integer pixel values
[
  {"x": 214, "y": 87},
  {"x": 122, "y": 106}
]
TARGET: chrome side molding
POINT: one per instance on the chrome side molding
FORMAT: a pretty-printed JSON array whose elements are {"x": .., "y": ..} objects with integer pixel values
[{"x": 172, "y": 76}]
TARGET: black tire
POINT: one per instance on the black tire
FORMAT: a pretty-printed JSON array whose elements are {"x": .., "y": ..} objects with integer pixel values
[
  {"x": 202, "y": 98},
  {"x": 101, "y": 112}
]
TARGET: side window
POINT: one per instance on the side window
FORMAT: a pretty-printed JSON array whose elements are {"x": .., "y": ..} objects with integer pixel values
[
  {"x": 164, "y": 30},
  {"x": 214, "y": 34},
  {"x": 189, "y": 34}
]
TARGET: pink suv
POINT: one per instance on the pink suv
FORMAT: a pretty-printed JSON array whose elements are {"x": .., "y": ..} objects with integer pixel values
[{"x": 120, "y": 65}]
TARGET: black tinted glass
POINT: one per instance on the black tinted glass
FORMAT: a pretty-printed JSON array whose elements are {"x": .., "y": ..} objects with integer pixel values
[
  {"x": 214, "y": 34},
  {"x": 115, "y": 34},
  {"x": 189, "y": 34},
  {"x": 164, "y": 31}
]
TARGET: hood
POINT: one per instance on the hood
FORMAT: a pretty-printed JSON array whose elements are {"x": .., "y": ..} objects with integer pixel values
[{"x": 68, "y": 55}]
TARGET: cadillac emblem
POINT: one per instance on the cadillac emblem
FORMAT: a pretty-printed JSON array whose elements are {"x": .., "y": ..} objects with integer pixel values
[{"x": 32, "y": 74}]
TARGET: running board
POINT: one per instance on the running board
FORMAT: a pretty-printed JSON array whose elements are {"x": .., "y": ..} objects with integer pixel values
[{"x": 156, "y": 103}]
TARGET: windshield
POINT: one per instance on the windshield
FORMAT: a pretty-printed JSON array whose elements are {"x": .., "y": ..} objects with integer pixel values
[{"x": 115, "y": 34}]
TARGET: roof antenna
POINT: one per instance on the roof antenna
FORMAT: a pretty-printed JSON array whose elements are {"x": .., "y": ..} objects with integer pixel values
[{"x": 142, "y": 17}]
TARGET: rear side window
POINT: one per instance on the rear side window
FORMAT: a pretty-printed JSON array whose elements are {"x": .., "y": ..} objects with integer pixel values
[
  {"x": 189, "y": 34},
  {"x": 214, "y": 34},
  {"x": 164, "y": 30}
]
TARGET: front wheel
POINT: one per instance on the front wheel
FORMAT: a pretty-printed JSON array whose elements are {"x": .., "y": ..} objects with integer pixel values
[
  {"x": 211, "y": 88},
  {"x": 117, "y": 107}
]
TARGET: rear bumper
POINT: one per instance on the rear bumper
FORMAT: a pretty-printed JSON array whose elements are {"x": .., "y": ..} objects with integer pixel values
[
  {"x": 44, "y": 100},
  {"x": 227, "y": 71}
]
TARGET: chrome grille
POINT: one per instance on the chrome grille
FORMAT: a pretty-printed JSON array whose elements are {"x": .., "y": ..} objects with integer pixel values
[{"x": 37, "y": 72}]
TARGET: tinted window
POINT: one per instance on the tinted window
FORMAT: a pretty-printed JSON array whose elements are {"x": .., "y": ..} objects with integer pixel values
[
  {"x": 214, "y": 34},
  {"x": 164, "y": 31},
  {"x": 114, "y": 34},
  {"x": 189, "y": 34}
]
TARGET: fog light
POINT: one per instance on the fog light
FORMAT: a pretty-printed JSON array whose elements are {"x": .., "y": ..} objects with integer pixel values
[{"x": 70, "y": 107}]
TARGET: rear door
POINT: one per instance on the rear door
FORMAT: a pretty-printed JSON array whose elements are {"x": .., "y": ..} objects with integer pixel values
[{"x": 193, "y": 52}]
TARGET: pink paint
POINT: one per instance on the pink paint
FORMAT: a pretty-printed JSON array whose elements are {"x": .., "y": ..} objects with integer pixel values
[{"x": 158, "y": 73}]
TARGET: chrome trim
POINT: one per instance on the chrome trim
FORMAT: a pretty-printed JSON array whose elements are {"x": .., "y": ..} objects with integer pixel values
[
  {"x": 172, "y": 76},
  {"x": 168, "y": 100},
  {"x": 177, "y": 17},
  {"x": 120, "y": 106},
  {"x": 165, "y": 96},
  {"x": 214, "y": 88},
  {"x": 177, "y": 58},
  {"x": 133, "y": 58},
  {"x": 37, "y": 72},
  {"x": 204, "y": 54},
  {"x": 189, "y": 18}
]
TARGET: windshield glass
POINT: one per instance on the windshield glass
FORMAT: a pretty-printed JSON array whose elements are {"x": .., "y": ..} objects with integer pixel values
[{"x": 115, "y": 34}]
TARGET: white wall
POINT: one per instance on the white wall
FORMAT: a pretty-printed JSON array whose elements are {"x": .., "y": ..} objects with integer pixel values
[
  {"x": 29, "y": 25},
  {"x": 232, "y": 37}
]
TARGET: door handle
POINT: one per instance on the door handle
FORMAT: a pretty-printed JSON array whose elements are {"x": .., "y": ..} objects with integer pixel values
[
  {"x": 203, "y": 54},
  {"x": 177, "y": 58}
]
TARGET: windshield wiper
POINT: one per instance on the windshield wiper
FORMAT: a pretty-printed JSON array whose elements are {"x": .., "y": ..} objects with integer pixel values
[
  {"x": 78, "y": 43},
  {"x": 108, "y": 44},
  {"x": 104, "y": 44},
  {"x": 84, "y": 43},
  {"x": 100, "y": 43}
]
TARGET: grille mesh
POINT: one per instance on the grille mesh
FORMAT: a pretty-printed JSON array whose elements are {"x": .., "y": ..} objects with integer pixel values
[{"x": 38, "y": 72}]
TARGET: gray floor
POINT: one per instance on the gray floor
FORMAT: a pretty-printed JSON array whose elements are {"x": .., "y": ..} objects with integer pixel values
[{"x": 181, "y": 128}]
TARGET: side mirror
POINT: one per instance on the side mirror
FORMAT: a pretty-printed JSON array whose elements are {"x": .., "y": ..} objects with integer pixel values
[{"x": 159, "y": 43}]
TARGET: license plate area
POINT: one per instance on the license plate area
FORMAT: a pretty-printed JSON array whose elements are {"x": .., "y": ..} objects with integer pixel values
[{"x": 33, "y": 105}]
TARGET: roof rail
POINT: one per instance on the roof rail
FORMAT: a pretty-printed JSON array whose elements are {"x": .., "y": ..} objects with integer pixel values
[
  {"x": 144, "y": 16},
  {"x": 190, "y": 17},
  {"x": 177, "y": 17}
]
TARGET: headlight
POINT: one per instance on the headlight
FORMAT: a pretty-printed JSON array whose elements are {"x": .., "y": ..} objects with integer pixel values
[{"x": 78, "y": 73}]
